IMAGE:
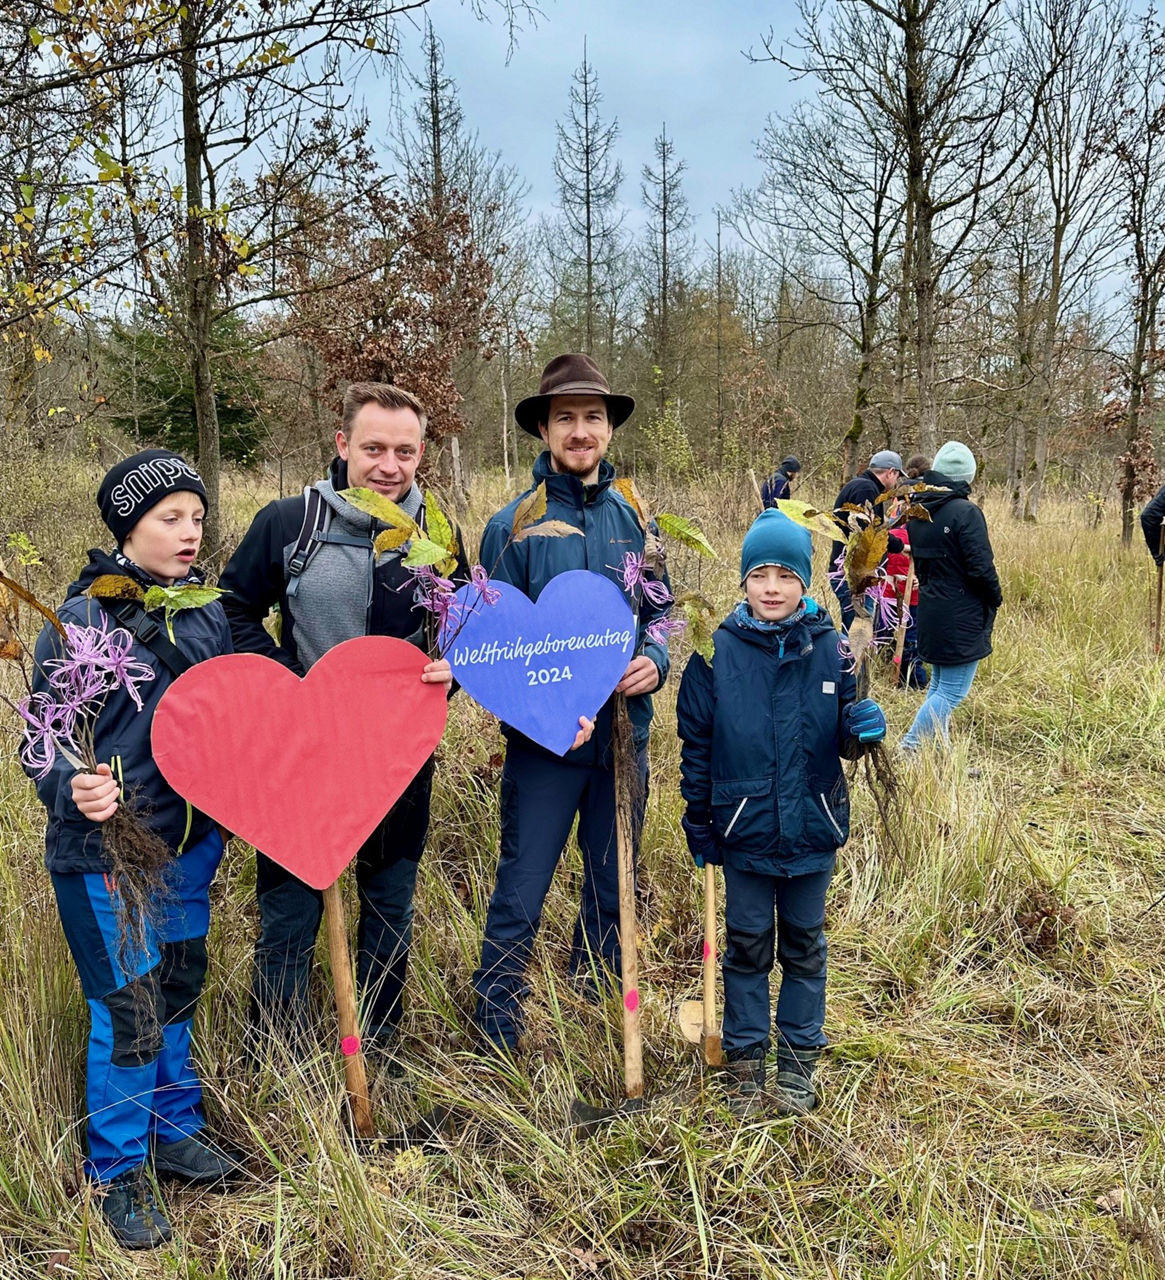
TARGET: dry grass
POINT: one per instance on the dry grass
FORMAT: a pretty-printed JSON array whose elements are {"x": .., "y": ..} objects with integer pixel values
[{"x": 996, "y": 1009}]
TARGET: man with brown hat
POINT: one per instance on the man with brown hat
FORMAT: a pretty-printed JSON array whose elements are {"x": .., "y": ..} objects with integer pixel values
[{"x": 575, "y": 414}]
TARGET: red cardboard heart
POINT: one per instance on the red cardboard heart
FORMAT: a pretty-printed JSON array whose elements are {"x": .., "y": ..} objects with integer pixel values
[{"x": 302, "y": 769}]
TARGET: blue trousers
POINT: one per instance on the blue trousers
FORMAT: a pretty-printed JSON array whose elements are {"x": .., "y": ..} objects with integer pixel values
[
  {"x": 949, "y": 685},
  {"x": 540, "y": 796},
  {"x": 749, "y": 903},
  {"x": 290, "y": 913},
  {"x": 139, "y": 1078}
]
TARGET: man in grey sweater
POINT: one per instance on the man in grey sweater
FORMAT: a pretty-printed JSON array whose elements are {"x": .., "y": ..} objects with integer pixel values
[{"x": 329, "y": 586}]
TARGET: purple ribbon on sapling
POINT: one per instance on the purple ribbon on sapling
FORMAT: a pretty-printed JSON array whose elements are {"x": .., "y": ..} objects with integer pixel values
[
  {"x": 49, "y": 727},
  {"x": 480, "y": 579},
  {"x": 662, "y": 629},
  {"x": 633, "y": 575}
]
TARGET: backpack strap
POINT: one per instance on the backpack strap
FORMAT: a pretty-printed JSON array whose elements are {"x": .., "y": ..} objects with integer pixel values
[
  {"x": 149, "y": 632},
  {"x": 315, "y": 517}
]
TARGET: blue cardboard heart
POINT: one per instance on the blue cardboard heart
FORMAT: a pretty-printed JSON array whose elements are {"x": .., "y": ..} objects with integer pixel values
[{"x": 539, "y": 665}]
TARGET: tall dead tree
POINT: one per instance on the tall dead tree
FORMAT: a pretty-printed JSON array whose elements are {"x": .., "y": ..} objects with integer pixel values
[
  {"x": 669, "y": 249},
  {"x": 589, "y": 178}
]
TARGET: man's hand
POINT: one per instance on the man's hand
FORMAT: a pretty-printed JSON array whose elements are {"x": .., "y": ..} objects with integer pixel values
[
  {"x": 439, "y": 672},
  {"x": 96, "y": 794},
  {"x": 585, "y": 729},
  {"x": 641, "y": 676}
]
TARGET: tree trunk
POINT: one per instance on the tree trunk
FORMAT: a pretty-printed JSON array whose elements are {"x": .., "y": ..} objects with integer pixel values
[{"x": 200, "y": 293}]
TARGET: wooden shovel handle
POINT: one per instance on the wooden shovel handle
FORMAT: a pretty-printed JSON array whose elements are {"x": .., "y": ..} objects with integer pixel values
[
  {"x": 903, "y": 605},
  {"x": 626, "y": 779},
  {"x": 355, "y": 1077},
  {"x": 709, "y": 1001}
]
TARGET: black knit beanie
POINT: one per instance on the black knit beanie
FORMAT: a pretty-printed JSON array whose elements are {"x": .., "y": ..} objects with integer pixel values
[{"x": 140, "y": 482}]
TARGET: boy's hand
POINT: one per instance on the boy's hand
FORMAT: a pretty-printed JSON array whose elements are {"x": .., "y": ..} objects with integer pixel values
[
  {"x": 439, "y": 672},
  {"x": 702, "y": 843},
  {"x": 585, "y": 729},
  {"x": 864, "y": 720},
  {"x": 96, "y": 794}
]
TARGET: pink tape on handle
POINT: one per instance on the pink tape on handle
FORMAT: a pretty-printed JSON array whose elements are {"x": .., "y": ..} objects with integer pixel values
[
  {"x": 349, "y": 1046},
  {"x": 631, "y": 1000},
  {"x": 707, "y": 951}
]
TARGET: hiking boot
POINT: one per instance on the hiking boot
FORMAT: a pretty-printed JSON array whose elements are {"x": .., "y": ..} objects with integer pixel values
[
  {"x": 745, "y": 1069},
  {"x": 795, "y": 1095},
  {"x": 132, "y": 1212},
  {"x": 195, "y": 1160}
]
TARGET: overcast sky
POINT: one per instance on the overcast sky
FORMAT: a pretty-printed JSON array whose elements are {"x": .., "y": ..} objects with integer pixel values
[{"x": 676, "y": 61}]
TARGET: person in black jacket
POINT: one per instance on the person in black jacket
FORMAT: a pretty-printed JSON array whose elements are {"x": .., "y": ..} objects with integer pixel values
[
  {"x": 780, "y": 484},
  {"x": 958, "y": 590},
  {"x": 884, "y": 472},
  {"x": 340, "y": 590},
  {"x": 142, "y": 1095},
  {"x": 1151, "y": 521},
  {"x": 764, "y": 726}
]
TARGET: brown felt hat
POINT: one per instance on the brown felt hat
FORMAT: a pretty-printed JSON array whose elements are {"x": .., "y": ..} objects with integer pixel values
[{"x": 570, "y": 375}]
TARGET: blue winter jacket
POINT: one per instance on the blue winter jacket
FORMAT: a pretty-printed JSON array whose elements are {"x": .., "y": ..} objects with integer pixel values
[
  {"x": 762, "y": 745},
  {"x": 610, "y": 529},
  {"x": 122, "y": 732}
]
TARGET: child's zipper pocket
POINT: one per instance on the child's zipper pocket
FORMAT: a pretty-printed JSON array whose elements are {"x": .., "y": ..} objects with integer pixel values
[
  {"x": 739, "y": 811},
  {"x": 829, "y": 815}
]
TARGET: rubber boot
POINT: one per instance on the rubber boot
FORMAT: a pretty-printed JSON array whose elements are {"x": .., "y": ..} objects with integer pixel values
[
  {"x": 795, "y": 1095},
  {"x": 746, "y": 1080}
]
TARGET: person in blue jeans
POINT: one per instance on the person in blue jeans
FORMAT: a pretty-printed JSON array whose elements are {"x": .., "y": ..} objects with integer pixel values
[
  {"x": 764, "y": 727},
  {"x": 142, "y": 1095},
  {"x": 958, "y": 591}
]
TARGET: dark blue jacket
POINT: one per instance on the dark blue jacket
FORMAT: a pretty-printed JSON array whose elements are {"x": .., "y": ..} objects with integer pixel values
[
  {"x": 610, "y": 529},
  {"x": 121, "y": 736},
  {"x": 762, "y": 745},
  {"x": 1151, "y": 520},
  {"x": 775, "y": 488}
]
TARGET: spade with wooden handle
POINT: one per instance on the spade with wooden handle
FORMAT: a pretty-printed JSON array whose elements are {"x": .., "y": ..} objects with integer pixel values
[
  {"x": 587, "y": 1119},
  {"x": 903, "y": 605},
  {"x": 1160, "y": 576},
  {"x": 697, "y": 1018},
  {"x": 355, "y": 1077}
]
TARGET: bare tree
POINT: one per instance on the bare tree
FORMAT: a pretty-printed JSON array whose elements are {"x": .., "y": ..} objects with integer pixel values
[
  {"x": 669, "y": 251},
  {"x": 1067, "y": 212},
  {"x": 941, "y": 77},
  {"x": 1139, "y": 148},
  {"x": 834, "y": 185},
  {"x": 589, "y": 178}
]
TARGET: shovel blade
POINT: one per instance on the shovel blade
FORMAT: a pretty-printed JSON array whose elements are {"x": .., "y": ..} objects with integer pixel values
[
  {"x": 690, "y": 1020},
  {"x": 589, "y": 1121}
]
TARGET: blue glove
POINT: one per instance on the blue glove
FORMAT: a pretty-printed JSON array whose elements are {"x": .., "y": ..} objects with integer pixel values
[
  {"x": 702, "y": 843},
  {"x": 864, "y": 720}
]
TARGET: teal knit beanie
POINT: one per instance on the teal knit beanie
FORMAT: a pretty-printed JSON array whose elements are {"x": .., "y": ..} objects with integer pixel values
[
  {"x": 955, "y": 461},
  {"x": 775, "y": 539}
]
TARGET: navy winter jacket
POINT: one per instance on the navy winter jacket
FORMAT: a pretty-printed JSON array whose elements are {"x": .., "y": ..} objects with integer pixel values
[
  {"x": 863, "y": 488},
  {"x": 958, "y": 588},
  {"x": 762, "y": 745},
  {"x": 1151, "y": 519},
  {"x": 255, "y": 581},
  {"x": 774, "y": 489},
  {"x": 610, "y": 529},
  {"x": 122, "y": 733}
]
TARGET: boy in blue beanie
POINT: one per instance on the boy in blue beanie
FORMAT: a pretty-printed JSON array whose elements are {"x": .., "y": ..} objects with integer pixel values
[{"x": 764, "y": 727}]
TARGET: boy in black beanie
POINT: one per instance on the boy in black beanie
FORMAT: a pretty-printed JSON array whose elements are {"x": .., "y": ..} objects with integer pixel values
[{"x": 143, "y": 1097}]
